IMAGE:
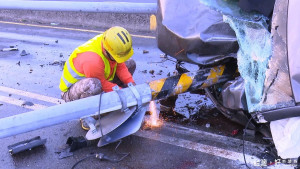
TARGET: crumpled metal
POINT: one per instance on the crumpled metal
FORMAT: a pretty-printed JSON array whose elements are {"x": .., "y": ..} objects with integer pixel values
[{"x": 194, "y": 33}]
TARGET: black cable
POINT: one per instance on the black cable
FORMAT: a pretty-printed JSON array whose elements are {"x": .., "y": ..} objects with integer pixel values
[
  {"x": 244, "y": 141},
  {"x": 82, "y": 160}
]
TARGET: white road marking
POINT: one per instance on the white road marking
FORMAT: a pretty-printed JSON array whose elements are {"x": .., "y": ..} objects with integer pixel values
[
  {"x": 20, "y": 102},
  {"x": 31, "y": 95},
  {"x": 215, "y": 151},
  {"x": 180, "y": 129}
]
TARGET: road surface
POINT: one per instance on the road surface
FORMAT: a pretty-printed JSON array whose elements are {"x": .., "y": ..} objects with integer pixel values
[{"x": 35, "y": 78}]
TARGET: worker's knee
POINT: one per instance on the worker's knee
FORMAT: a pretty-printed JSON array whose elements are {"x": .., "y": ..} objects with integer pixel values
[
  {"x": 90, "y": 87},
  {"x": 82, "y": 89},
  {"x": 131, "y": 65}
]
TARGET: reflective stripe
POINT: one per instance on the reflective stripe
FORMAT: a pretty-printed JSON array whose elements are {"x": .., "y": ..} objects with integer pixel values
[
  {"x": 125, "y": 36},
  {"x": 72, "y": 72},
  {"x": 121, "y": 38},
  {"x": 67, "y": 83}
]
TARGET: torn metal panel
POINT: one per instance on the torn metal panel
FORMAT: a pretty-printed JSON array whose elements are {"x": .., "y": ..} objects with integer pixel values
[
  {"x": 201, "y": 38},
  {"x": 233, "y": 94},
  {"x": 277, "y": 87},
  {"x": 293, "y": 46}
]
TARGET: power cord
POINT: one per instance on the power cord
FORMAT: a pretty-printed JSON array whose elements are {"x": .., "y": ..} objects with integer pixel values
[
  {"x": 101, "y": 156},
  {"x": 246, "y": 127}
]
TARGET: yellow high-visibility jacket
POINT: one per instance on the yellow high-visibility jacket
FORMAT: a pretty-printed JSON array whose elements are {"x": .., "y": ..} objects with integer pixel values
[{"x": 70, "y": 75}]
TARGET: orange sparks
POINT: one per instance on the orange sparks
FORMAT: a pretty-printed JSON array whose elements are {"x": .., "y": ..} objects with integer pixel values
[{"x": 153, "y": 121}]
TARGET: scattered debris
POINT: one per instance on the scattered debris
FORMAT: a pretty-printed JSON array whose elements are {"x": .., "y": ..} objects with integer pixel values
[
  {"x": 250, "y": 133},
  {"x": 151, "y": 72},
  {"x": 31, "y": 70},
  {"x": 54, "y": 24},
  {"x": 46, "y": 43},
  {"x": 165, "y": 108},
  {"x": 27, "y": 103},
  {"x": 19, "y": 63},
  {"x": 163, "y": 55},
  {"x": 235, "y": 132},
  {"x": 56, "y": 41},
  {"x": 144, "y": 71},
  {"x": 18, "y": 84},
  {"x": 56, "y": 63},
  {"x": 61, "y": 55},
  {"x": 26, "y": 145},
  {"x": 145, "y": 51},
  {"x": 159, "y": 73},
  {"x": 207, "y": 125},
  {"x": 9, "y": 95},
  {"x": 189, "y": 104},
  {"x": 42, "y": 65},
  {"x": 9, "y": 49},
  {"x": 24, "y": 53}
]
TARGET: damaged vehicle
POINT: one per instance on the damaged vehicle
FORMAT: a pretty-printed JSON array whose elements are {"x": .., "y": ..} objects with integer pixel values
[{"x": 260, "y": 38}]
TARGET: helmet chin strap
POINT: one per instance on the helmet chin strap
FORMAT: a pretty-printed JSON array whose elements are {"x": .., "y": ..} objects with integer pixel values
[{"x": 106, "y": 54}]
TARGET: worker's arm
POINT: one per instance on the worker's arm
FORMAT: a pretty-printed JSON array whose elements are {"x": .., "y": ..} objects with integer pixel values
[
  {"x": 123, "y": 74},
  {"x": 92, "y": 66}
]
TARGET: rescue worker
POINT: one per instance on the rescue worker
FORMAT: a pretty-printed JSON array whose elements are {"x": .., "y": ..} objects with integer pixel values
[{"x": 100, "y": 64}]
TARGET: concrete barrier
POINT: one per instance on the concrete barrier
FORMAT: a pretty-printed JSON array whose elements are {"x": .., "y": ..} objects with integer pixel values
[{"x": 132, "y": 22}]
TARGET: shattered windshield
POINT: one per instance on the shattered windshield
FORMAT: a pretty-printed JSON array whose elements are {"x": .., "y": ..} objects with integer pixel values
[{"x": 262, "y": 61}]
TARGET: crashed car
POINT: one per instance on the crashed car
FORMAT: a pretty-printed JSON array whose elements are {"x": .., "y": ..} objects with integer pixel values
[{"x": 261, "y": 38}]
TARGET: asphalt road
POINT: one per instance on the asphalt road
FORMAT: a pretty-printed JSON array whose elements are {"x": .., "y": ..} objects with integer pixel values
[{"x": 35, "y": 78}]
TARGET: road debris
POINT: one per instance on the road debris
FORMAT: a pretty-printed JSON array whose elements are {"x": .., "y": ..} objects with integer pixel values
[
  {"x": 234, "y": 132},
  {"x": 56, "y": 41},
  {"x": 249, "y": 133},
  {"x": 163, "y": 55},
  {"x": 151, "y": 72},
  {"x": 160, "y": 72},
  {"x": 46, "y": 43},
  {"x": 61, "y": 55},
  {"x": 58, "y": 63},
  {"x": 24, "y": 53},
  {"x": 27, "y": 103},
  {"x": 19, "y": 63},
  {"x": 144, "y": 71},
  {"x": 26, "y": 145},
  {"x": 54, "y": 24},
  {"x": 1, "y": 104},
  {"x": 31, "y": 70},
  {"x": 9, "y": 49},
  {"x": 145, "y": 51}
]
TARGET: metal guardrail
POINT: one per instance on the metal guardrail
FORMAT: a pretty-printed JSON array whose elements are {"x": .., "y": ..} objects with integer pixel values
[{"x": 101, "y": 7}]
